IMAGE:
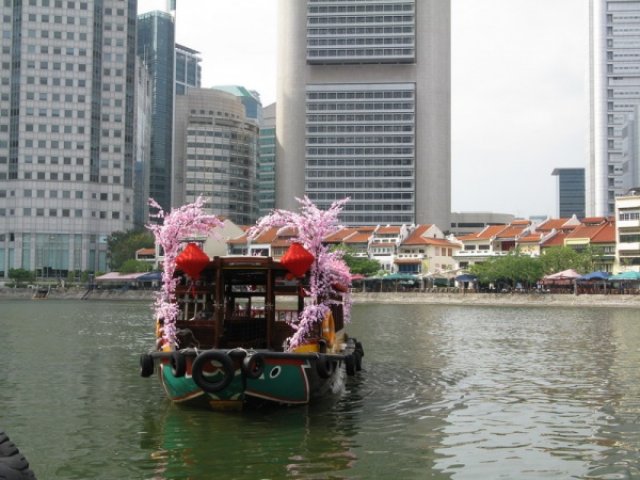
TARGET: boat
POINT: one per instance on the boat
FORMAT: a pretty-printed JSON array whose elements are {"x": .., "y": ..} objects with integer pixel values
[{"x": 251, "y": 330}]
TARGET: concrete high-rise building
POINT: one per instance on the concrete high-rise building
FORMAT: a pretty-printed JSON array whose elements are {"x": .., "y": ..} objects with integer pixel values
[
  {"x": 267, "y": 162},
  {"x": 364, "y": 108},
  {"x": 156, "y": 47},
  {"x": 143, "y": 98},
  {"x": 570, "y": 192},
  {"x": 250, "y": 99},
  {"x": 66, "y": 132},
  {"x": 614, "y": 99},
  {"x": 188, "y": 69},
  {"x": 215, "y": 154}
]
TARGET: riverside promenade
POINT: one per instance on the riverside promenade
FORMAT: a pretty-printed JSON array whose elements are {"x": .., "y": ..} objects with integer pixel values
[{"x": 425, "y": 298}]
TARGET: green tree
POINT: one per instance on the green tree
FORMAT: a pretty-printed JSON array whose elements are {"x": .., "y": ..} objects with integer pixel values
[
  {"x": 358, "y": 265},
  {"x": 511, "y": 269},
  {"x": 20, "y": 275},
  {"x": 557, "y": 259},
  {"x": 123, "y": 246},
  {"x": 134, "y": 266}
]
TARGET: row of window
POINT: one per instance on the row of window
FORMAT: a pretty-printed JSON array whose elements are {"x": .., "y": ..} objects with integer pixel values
[
  {"x": 61, "y": 212},
  {"x": 337, "y": 31},
  {"x": 629, "y": 215},
  {"x": 336, "y": 19},
  {"x": 312, "y": 151},
  {"x": 43, "y": 160},
  {"x": 360, "y": 129},
  {"x": 78, "y": 177},
  {"x": 358, "y": 173},
  {"x": 359, "y": 52},
  {"x": 362, "y": 140},
  {"x": 375, "y": 219},
  {"x": 361, "y": 95},
  {"x": 361, "y": 118},
  {"x": 358, "y": 196},
  {"x": 359, "y": 41},
  {"x": 354, "y": 8},
  {"x": 365, "y": 185},
  {"x": 359, "y": 106},
  {"x": 360, "y": 162}
]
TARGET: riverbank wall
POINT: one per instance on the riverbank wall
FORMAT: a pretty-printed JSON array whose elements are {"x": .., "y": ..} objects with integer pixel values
[{"x": 425, "y": 298}]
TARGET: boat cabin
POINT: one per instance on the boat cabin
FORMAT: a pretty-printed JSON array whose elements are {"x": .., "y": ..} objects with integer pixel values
[{"x": 241, "y": 302}]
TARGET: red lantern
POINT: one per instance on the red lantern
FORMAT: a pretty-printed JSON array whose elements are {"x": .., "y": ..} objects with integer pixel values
[
  {"x": 192, "y": 261},
  {"x": 297, "y": 259}
]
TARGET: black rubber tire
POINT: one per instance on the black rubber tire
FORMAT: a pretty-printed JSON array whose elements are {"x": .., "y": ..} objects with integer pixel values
[
  {"x": 147, "y": 365},
  {"x": 178, "y": 364},
  {"x": 13, "y": 465},
  {"x": 197, "y": 371},
  {"x": 357, "y": 357},
  {"x": 350, "y": 364},
  {"x": 324, "y": 366},
  {"x": 253, "y": 366}
]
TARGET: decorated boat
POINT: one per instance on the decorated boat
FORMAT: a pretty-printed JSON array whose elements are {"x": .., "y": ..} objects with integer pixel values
[{"x": 238, "y": 330}]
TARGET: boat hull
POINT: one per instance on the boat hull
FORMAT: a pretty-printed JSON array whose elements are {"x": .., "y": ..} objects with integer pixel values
[{"x": 285, "y": 379}]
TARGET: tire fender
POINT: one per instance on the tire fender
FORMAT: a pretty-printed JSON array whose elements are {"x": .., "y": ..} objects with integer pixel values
[{"x": 197, "y": 371}]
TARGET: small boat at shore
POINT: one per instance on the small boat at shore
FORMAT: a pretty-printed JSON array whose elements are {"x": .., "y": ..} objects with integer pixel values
[{"x": 239, "y": 330}]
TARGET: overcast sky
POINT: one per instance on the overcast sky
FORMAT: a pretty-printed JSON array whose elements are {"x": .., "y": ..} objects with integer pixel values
[{"x": 519, "y": 88}]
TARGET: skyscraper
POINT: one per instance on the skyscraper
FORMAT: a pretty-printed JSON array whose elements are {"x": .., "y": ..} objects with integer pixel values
[
  {"x": 614, "y": 98},
  {"x": 215, "y": 153},
  {"x": 156, "y": 46},
  {"x": 570, "y": 192},
  {"x": 188, "y": 69},
  {"x": 66, "y": 132},
  {"x": 267, "y": 162},
  {"x": 364, "y": 109}
]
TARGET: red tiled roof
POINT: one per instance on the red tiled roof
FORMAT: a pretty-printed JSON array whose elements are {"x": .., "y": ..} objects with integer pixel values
[
  {"x": 395, "y": 230},
  {"x": 407, "y": 261},
  {"x": 531, "y": 238},
  {"x": 512, "y": 231},
  {"x": 486, "y": 233},
  {"x": 340, "y": 235},
  {"x": 382, "y": 244},
  {"x": 556, "y": 241},
  {"x": 606, "y": 235},
  {"x": 146, "y": 251},
  {"x": 358, "y": 238},
  {"x": 415, "y": 238},
  {"x": 594, "y": 220},
  {"x": 553, "y": 223}
]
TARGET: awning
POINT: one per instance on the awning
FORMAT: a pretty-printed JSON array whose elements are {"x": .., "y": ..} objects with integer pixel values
[
  {"x": 625, "y": 276},
  {"x": 594, "y": 276}
]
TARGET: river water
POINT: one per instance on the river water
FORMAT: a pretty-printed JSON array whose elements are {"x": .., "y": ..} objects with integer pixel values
[{"x": 445, "y": 392}]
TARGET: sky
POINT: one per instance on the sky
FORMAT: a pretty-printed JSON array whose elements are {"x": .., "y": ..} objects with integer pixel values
[{"x": 519, "y": 97}]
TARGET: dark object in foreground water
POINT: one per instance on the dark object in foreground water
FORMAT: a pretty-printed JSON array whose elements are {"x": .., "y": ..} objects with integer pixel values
[{"x": 13, "y": 465}]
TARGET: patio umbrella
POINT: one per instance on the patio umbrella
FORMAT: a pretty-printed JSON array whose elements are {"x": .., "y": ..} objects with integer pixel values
[
  {"x": 466, "y": 278},
  {"x": 629, "y": 276},
  {"x": 563, "y": 275},
  {"x": 595, "y": 276}
]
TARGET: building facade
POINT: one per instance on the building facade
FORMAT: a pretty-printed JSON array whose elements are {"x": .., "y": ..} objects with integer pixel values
[
  {"x": 216, "y": 149},
  {"x": 66, "y": 133},
  {"x": 614, "y": 99},
  {"x": 156, "y": 47},
  {"x": 628, "y": 232},
  {"x": 267, "y": 161},
  {"x": 363, "y": 108},
  {"x": 570, "y": 192},
  {"x": 188, "y": 69}
]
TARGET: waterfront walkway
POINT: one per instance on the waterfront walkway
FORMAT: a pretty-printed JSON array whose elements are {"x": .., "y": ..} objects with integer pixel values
[{"x": 426, "y": 298}]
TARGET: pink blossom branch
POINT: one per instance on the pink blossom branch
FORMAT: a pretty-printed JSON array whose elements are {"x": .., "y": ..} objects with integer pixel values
[
  {"x": 312, "y": 226},
  {"x": 169, "y": 232}
]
